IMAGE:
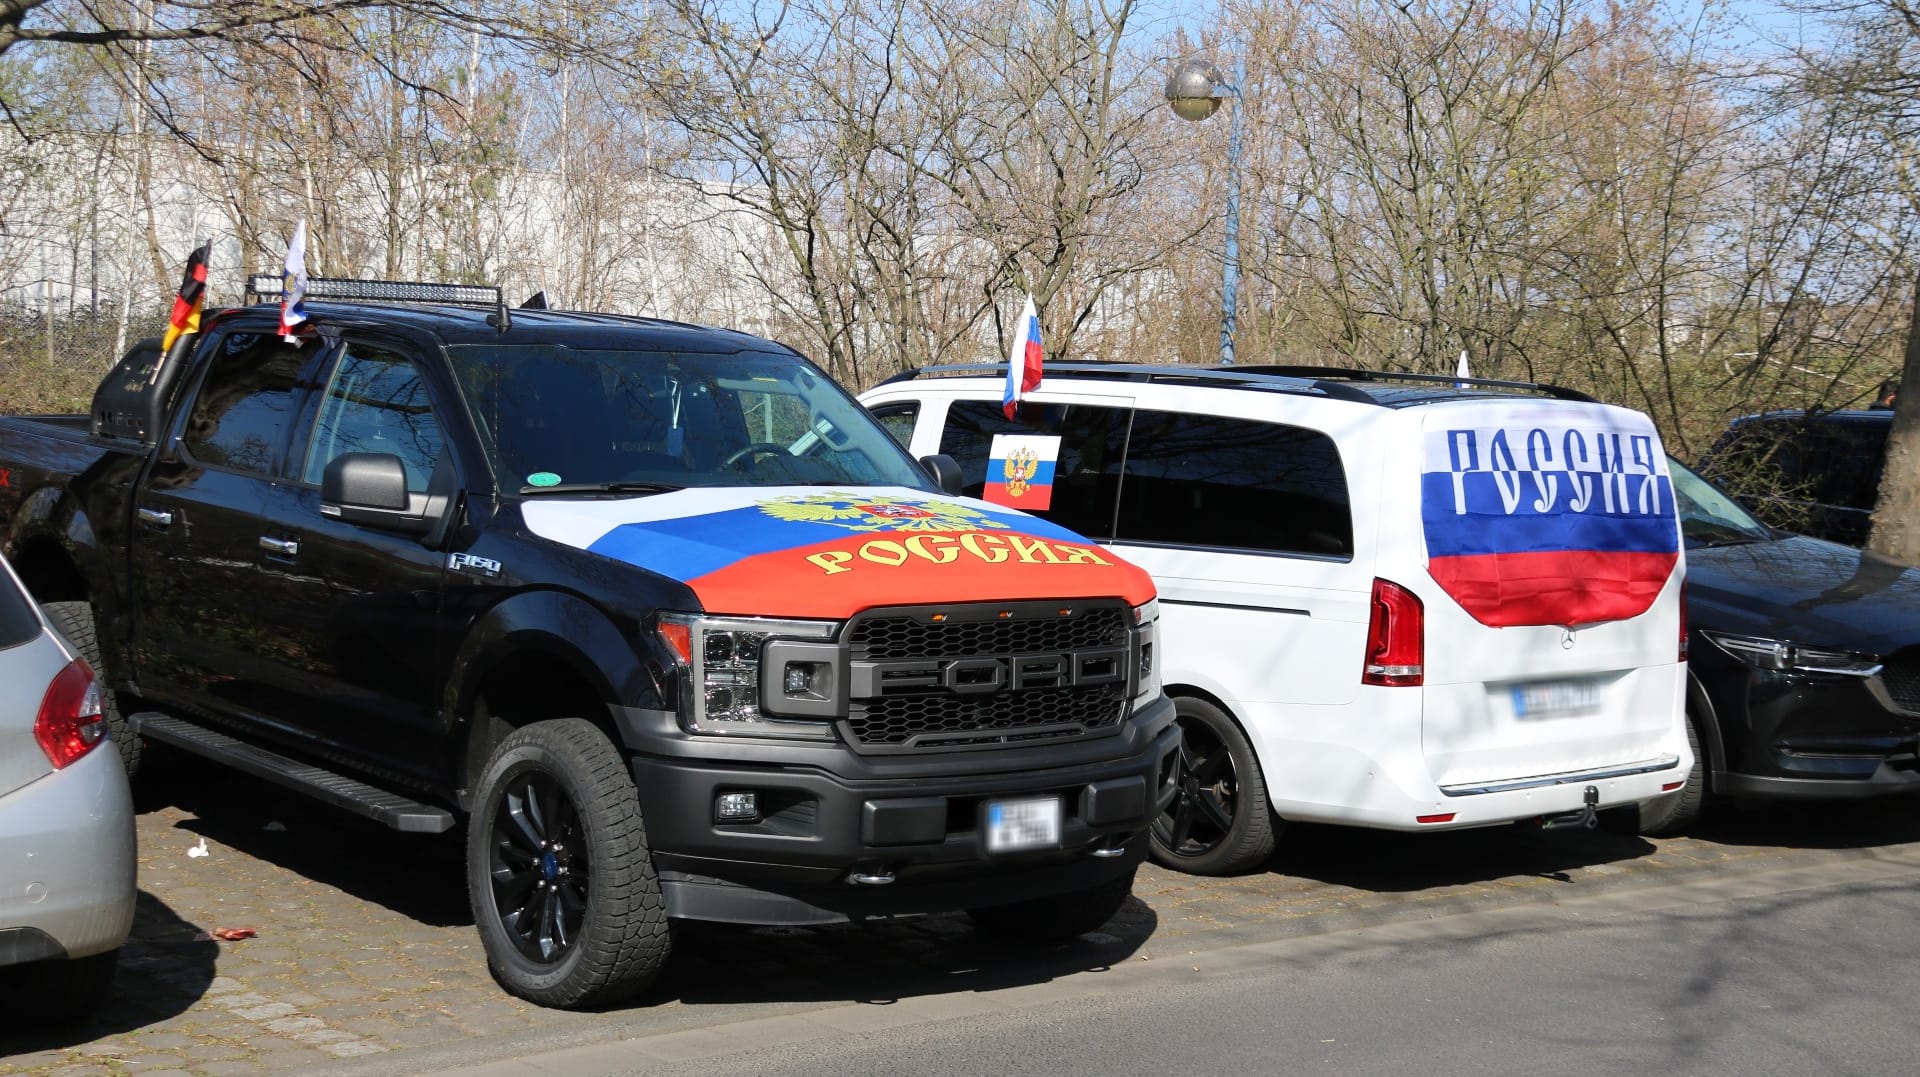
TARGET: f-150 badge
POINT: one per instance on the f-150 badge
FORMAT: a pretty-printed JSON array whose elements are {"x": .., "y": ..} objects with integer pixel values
[{"x": 473, "y": 565}]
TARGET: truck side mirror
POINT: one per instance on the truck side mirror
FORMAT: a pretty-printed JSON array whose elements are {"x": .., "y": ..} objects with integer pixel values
[
  {"x": 944, "y": 470},
  {"x": 370, "y": 488}
]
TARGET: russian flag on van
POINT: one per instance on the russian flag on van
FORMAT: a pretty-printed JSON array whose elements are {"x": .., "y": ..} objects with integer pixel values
[{"x": 1548, "y": 514}]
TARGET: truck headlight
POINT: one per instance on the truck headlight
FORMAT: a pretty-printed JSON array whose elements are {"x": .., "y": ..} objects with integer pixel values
[
  {"x": 1779, "y": 654},
  {"x": 1146, "y": 621},
  {"x": 720, "y": 662}
]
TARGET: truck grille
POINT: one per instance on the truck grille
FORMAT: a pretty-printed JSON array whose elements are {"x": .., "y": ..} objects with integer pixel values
[
  {"x": 1901, "y": 675},
  {"x": 895, "y": 637},
  {"x": 983, "y": 676}
]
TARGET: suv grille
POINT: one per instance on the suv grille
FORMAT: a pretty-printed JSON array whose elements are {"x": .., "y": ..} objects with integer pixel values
[
  {"x": 1901, "y": 675},
  {"x": 977, "y": 679}
]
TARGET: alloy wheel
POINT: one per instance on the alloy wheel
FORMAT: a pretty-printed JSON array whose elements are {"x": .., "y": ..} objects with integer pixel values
[
  {"x": 1202, "y": 813},
  {"x": 539, "y": 867}
]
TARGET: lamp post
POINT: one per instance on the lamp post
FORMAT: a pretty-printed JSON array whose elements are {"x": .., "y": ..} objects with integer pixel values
[{"x": 1195, "y": 91}]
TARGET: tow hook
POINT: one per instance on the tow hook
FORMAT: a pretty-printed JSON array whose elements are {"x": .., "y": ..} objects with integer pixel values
[
  {"x": 877, "y": 875},
  {"x": 1586, "y": 818}
]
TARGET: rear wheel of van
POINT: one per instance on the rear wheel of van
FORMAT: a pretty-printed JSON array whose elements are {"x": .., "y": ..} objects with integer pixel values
[
  {"x": 564, "y": 892},
  {"x": 1219, "y": 822},
  {"x": 74, "y": 622},
  {"x": 1672, "y": 813}
]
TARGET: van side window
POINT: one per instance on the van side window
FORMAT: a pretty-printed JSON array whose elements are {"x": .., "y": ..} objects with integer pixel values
[
  {"x": 1203, "y": 480},
  {"x": 376, "y": 402},
  {"x": 1086, "y": 476},
  {"x": 898, "y": 420},
  {"x": 246, "y": 403}
]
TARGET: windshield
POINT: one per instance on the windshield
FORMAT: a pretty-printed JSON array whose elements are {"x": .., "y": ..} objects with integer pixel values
[
  {"x": 1707, "y": 516},
  {"x": 558, "y": 419}
]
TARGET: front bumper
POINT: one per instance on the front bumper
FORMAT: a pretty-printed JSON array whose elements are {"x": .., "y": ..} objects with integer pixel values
[
  {"x": 67, "y": 862},
  {"x": 1808, "y": 736},
  {"x": 828, "y": 815}
]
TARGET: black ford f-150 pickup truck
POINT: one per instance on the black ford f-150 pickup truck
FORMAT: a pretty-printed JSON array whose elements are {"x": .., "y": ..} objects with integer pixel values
[{"x": 658, "y": 609}]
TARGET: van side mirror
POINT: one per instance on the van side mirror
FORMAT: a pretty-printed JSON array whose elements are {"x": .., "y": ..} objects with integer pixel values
[
  {"x": 370, "y": 489},
  {"x": 944, "y": 470}
]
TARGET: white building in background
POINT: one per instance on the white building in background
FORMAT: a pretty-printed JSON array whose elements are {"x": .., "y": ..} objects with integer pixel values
[
  {"x": 76, "y": 236},
  {"x": 76, "y": 240}
]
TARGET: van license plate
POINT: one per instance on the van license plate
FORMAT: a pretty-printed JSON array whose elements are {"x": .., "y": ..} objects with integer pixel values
[
  {"x": 1555, "y": 699},
  {"x": 1013, "y": 825}
]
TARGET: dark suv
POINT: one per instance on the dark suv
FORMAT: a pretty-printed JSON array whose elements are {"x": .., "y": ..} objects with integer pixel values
[{"x": 1816, "y": 473}]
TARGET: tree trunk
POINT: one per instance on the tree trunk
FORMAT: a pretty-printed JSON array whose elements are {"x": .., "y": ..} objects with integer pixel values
[{"x": 1896, "y": 515}]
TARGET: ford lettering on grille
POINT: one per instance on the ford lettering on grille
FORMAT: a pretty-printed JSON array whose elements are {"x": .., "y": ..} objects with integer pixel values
[{"x": 984, "y": 676}]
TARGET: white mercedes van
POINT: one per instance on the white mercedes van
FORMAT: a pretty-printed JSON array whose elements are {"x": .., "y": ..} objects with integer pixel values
[{"x": 1390, "y": 601}]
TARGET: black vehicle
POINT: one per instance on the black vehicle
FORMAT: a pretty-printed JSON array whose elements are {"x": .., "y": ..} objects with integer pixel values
[
  {"x": 1804, "y": 662},
  {"x": 658, "y": 608},
  {"x": 1810, "y": 472}
]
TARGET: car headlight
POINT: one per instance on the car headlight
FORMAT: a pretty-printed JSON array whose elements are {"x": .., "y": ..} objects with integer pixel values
[
  {"x": 1146, "y": 621},
  {"x": 720, "y": 659},
  {"x": 1778, "y": 654}
]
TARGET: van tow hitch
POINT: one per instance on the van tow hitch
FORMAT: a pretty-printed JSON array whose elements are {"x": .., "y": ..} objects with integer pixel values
[{"x": 1586, "y": 818}]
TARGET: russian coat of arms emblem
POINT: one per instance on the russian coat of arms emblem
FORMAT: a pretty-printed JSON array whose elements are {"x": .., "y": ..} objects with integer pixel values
[
  {"x": 866, "y": 513},
  {"x": 1022, "y": 463}
]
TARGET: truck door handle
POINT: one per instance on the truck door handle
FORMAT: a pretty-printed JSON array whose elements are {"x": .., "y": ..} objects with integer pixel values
[
  {"x": 283, "y": 547},
  {"x": 156, "y": 517}
]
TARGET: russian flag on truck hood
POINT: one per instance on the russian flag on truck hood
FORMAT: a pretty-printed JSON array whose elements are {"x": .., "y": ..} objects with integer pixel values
[
  {"x": 805, "y": 552},
  {"x": 1547, "y": 514}
]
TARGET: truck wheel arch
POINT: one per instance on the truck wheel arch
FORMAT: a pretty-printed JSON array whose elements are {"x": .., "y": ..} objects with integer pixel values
[{"x": 535, "y": 656}]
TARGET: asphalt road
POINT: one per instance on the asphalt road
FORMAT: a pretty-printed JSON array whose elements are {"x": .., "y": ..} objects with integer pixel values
[
  {"x": 1795, "y": 972},
  {"x": 366, "y": 962}
]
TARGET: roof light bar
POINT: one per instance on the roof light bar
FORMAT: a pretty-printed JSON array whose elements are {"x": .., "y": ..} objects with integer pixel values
[{"x": 269, "y": 286}]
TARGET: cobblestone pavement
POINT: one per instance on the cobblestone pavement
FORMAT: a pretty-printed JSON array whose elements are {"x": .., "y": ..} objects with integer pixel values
[{"x": 365, "y": 947}]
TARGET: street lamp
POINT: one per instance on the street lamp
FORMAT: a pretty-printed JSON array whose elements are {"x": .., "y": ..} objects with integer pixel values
[{"x": 1195, "y": 91}]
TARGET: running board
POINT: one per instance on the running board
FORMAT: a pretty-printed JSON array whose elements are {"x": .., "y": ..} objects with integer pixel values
[{"x": 339, "y": 790}]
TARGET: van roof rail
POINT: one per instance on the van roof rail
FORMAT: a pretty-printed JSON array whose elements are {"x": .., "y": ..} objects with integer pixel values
[
  {"x": 1332, "y": 382},
  {"x": 1558, "y": 392}
]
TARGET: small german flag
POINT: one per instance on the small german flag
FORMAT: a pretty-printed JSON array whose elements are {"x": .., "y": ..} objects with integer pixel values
[{"x": 193, "y": 295}]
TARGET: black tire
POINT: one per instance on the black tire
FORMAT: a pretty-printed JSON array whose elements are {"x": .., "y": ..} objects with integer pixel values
[
  {"x": 1219, "y": 822},
  {"x": 74, "y": 621},
  {"x": 1672, "y": 813},
  {"x": 563, "y": 888},
  {"x": 56, "y": 992},
  {"x": 1060, "y": 918}
]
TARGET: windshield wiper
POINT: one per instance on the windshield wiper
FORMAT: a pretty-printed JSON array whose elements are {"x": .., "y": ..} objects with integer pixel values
[
  {"x": 603, "y": 488},
  {"x": 1715, "y": 543}
]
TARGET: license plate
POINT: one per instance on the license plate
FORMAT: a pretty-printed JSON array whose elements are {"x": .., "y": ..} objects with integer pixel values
[
  {"x": 1032, "y": 823},
  {"x": 1555, "y": 699}
]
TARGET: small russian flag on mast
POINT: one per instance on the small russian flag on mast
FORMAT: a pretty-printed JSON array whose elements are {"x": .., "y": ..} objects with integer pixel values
[{"x": 1023, "y": 360}]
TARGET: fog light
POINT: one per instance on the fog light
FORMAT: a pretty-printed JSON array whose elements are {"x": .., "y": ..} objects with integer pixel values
[
  {"x": 736, "y": 808},
  {"x": 799, "y": 679}
]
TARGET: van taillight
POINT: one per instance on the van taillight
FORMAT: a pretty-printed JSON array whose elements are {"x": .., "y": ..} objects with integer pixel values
[
  {"x": 1396, "y": 638},
  {"x": 70, "y": 723}
]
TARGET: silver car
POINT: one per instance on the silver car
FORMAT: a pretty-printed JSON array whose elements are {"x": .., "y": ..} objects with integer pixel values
[{"x": 66, "y": 824}]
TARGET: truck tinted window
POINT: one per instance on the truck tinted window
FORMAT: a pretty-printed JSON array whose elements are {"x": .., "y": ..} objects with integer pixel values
[
  {"x": 17, "y": 622},
  {"x": 551, "y": 415},
  {"x": 246, "y": 402},
  {"x": 376, "y": 402},
  {"x": 1086, "y": 476},
  {"x": 1202, "y": 480}
]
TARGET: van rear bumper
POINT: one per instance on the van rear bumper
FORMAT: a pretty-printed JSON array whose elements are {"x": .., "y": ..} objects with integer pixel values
[{"x": 1565, "y": 793}]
